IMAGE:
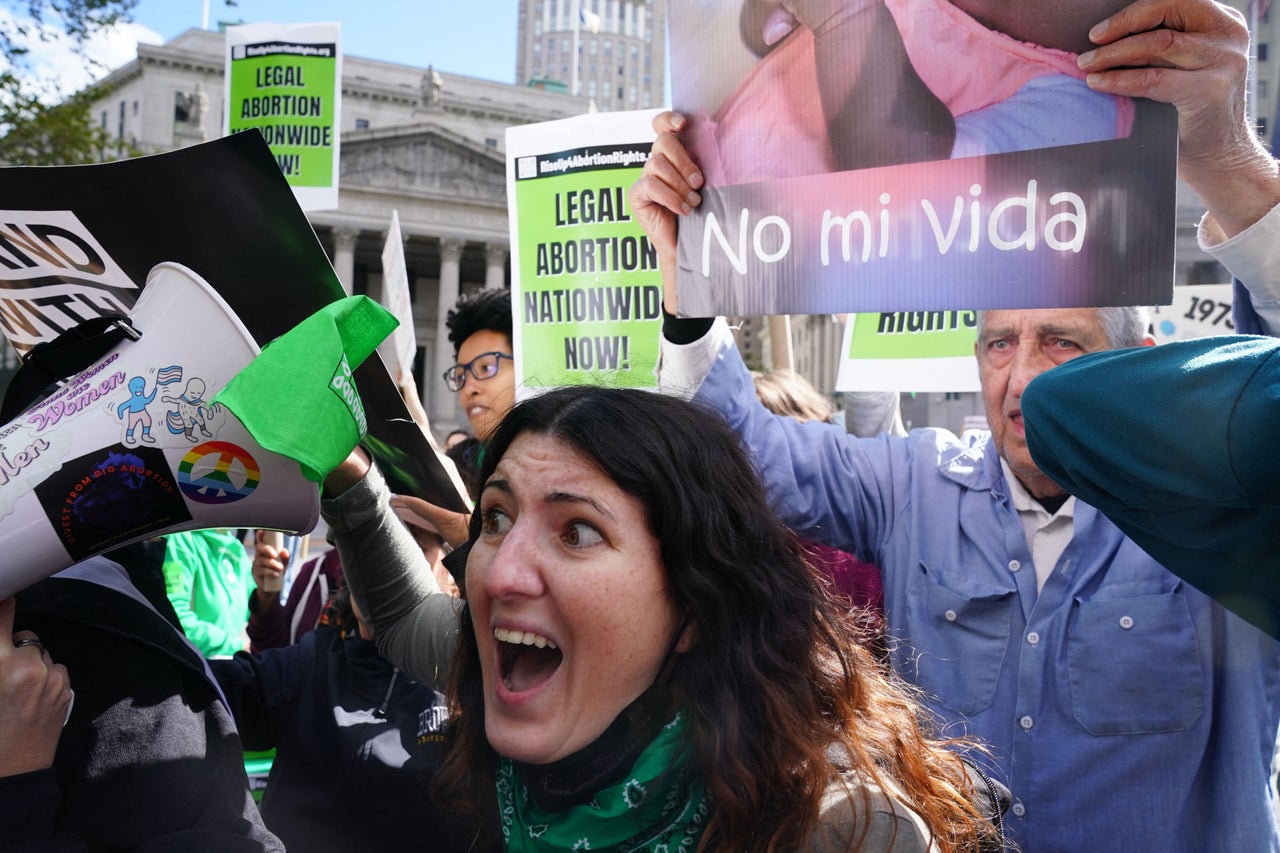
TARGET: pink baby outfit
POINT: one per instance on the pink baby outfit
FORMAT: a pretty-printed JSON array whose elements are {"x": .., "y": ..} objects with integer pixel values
[
  {"x": 1006, "y": 95},
  {"x": 942, "y": 41}
]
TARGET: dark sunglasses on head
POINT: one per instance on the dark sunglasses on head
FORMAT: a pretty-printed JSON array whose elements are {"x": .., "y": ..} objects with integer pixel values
[{"x": 482, "y": 367}]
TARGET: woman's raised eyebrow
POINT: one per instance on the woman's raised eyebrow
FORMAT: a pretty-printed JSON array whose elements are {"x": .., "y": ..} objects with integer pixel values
[
  {"x": 500, "y": 485},
  {"x": 571, "y": 498}
]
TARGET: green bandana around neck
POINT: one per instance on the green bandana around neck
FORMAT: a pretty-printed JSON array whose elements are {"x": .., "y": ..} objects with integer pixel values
[
  {"x": 661, "y": 805},
  {"x": 297, "y": 398}
]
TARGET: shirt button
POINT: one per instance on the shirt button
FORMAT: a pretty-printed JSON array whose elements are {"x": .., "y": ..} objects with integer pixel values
[
  {"x": 1014, "y": 565},
  {"x": 1026, "y": 722},
  {"x": 950, "y": 615},
  {"x": 1126, "y": 622},
  {"x": 1018, "y": 810},
  {"x": 1033, "y": 638}
]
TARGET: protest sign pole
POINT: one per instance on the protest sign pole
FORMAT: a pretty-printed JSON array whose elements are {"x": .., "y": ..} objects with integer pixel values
[{"x": 780, "y": 340}]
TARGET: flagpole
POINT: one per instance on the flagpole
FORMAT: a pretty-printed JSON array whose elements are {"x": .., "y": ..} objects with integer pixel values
[
  {"x": 573, "y": 57},
  {"x": 204, "y": 19}
]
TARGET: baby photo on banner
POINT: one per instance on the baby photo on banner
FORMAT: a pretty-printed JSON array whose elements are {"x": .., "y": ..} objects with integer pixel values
[
  {"x": 899, "y": 155},
  {"x": 585, "y": 288}
]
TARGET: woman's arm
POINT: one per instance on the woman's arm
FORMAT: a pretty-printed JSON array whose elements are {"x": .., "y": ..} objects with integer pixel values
[{"x": 414, "y": 623}]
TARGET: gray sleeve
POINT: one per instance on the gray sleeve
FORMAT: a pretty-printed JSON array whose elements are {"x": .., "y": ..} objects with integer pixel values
[
  {"x": 870, "y": 413},
  {"x": 414, "y": 623}
]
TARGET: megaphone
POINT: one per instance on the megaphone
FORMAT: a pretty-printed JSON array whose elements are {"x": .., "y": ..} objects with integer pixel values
[{"x": 131, "y": 447}]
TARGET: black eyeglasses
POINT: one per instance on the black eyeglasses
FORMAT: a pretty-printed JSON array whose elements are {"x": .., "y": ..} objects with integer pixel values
[{"x": 482, "y": 367}]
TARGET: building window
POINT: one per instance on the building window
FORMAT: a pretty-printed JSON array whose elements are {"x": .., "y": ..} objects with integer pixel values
[
  {"x": 632, "y": 95},
  {"x": 537, "y": 28},
  {"x": 1262, "y": 51},
  {"x": 1262, "y": 128},
  {"x": 135, "y": 107},
  {"x": 362, "y": 124},
  {"x": 593, "y": 47},
  {"x": 564, "y": 45},
  {"x": 491, "y": 142}
]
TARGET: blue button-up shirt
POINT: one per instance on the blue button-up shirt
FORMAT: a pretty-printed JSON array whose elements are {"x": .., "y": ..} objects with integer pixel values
[{"x": 1125, "y": 710}]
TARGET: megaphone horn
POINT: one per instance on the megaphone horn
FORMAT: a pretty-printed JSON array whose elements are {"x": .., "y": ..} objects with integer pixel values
[{"x": 131, "y": 447}]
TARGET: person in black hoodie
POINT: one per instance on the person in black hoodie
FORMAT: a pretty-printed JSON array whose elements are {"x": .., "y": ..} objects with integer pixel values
[
  {"x": 148, "y": 758},
  {"x": 357, "y": 742}
]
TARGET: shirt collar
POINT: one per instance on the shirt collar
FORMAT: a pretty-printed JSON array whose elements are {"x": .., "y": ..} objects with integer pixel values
[{"x": 1024, "y": 502}]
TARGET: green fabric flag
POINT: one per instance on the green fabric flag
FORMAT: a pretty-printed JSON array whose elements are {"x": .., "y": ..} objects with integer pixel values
[{"x": 297, "y": 398}]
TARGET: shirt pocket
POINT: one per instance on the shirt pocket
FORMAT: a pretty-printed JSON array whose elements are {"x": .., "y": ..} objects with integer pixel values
[
  {"x": 960, "y": 641},
  {"x": 1134, "y": 665}
]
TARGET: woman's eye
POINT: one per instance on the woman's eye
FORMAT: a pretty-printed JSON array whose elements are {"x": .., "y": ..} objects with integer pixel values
[
  {"x": 494, "y": 522},
  {"x": 580, "y": 535}
]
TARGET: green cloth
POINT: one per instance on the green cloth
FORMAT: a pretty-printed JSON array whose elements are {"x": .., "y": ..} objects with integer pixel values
[
  {"x": 298, "y": 399},
  {"x": 1177, "y": 445},
  {"x": 208, "y": 577},
  {"x": 660, "y": 805}
]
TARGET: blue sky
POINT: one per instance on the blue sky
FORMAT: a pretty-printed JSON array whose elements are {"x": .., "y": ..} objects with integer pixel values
[{"x": 472, "y": 37}]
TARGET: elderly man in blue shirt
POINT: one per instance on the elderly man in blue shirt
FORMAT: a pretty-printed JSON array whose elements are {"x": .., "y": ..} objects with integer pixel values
[{"x": 1125, "y": 709}]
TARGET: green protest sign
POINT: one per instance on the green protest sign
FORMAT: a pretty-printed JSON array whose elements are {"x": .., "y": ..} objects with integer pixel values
[
  {"x": 909, "y": 351},
  {"x": 285, "y": 80},
  {"x": 586, "y": 291}
]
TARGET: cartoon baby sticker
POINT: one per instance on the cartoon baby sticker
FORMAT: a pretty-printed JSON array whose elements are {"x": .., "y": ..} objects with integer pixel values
[
  {"x": 193, "y": 411},
  {"x": 133, "y": 412}
]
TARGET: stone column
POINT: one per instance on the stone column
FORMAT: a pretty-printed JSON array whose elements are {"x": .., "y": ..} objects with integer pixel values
[
  {"x": 445, "y": 415},
  {"x": 495, "y": 259},
  {"x": 344, "y": 256}
]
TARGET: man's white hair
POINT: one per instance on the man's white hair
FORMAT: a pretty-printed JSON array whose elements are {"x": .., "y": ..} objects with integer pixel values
[{"x": 1123, "y": 327}]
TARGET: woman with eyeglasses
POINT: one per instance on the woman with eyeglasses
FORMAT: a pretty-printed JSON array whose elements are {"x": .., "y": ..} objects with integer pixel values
[{"x": 484, "y": 378}]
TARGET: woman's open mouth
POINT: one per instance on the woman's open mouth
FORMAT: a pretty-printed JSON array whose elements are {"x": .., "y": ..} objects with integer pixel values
[{"x": 525, "y": 660}]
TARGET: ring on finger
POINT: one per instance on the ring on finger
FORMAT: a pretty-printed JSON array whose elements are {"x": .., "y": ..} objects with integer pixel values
[{"x": 28, "y": 641}]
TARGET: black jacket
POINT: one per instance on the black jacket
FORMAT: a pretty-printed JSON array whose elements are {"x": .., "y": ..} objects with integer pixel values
[
  {"x": 357, "y": 745},
  {"x": 149, "y": 758}
]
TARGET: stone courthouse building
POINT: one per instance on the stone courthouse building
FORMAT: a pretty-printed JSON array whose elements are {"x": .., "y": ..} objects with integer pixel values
[{"x": 425, "y": 143}]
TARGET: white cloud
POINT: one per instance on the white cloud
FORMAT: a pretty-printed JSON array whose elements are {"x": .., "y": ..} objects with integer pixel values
[{"x": 55, "y": 68}]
